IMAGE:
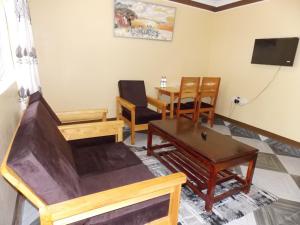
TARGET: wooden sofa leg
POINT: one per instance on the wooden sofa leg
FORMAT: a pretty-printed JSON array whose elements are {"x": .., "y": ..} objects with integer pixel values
[{"x": 174, "y": 205}]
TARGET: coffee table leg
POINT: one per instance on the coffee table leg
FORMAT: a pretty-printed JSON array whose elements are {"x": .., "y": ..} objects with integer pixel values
[
  {"x": 250, "y": 171},
  {"x": 211, "y": 189},
  {"x": 149, "y": 141}
]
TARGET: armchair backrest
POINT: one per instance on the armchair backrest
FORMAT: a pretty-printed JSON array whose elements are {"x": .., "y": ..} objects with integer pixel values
[{"x": 133, "y": 91}]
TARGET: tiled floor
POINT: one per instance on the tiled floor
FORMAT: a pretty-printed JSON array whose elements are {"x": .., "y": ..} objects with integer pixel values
[{"x": 277, "y": 171}]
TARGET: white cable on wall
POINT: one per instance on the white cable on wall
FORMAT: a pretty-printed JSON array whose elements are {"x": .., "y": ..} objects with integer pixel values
[
  {"x": 266, "y": 87},
  {"x": 233, "y": 106}
]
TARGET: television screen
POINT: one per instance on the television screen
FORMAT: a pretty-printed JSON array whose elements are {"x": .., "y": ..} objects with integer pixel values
[{"x": 275, "y": 51}]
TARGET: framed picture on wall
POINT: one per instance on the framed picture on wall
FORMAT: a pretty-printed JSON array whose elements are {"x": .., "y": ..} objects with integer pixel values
[{"x": 138, "y": 19}]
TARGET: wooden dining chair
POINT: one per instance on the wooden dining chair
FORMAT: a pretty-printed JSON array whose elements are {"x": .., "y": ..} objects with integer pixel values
[
  {"x": 209, "y": 89},
  {"x": 188, "y": 90}
]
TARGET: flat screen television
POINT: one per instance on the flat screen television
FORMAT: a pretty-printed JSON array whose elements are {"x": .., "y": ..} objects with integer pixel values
[{"x": 275, "y": 51}]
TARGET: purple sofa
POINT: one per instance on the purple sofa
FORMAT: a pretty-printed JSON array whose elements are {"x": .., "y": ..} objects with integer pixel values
[{"x": 57, "y": 171}]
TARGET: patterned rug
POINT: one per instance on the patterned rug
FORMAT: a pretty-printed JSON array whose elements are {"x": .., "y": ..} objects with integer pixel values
[{"x": 192, "y": 207}]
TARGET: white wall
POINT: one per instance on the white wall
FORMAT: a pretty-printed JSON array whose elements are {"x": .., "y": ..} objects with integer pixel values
[
  {"x": 232, "y": 39},
  {"x": 9, "y": 118},
  {"x": 80, "y": 61}
]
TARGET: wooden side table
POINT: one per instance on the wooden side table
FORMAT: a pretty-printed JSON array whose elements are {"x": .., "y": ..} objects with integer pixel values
[{"x": 172, "y": 92}]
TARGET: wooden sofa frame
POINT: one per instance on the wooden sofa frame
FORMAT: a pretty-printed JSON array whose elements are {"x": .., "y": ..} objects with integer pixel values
[
  {"x": 121, "y": 102},
  {"x": 98, "y": 203}
]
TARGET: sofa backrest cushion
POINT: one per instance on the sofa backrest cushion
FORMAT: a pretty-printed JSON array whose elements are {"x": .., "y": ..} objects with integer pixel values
[
  {"x": 37, "y": 111},
  {"x": 37, "y": 96},
  {"x": 133, "y": 91},
  {"x": 37, "y": 157}
]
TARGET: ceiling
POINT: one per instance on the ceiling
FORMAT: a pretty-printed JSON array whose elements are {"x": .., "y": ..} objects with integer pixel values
[{"x": 216, "y": 5}]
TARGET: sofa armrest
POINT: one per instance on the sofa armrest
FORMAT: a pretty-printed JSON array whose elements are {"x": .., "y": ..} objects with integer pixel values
[
  {"x": 91, "y": 205},
  {"x": 158, "y": 104},
  {"x": 95, "y": 129},
  {"x": 82, "y": 115}
]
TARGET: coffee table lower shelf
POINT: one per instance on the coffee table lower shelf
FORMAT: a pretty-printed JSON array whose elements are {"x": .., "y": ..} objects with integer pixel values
[{"x": 199, "y": 176}]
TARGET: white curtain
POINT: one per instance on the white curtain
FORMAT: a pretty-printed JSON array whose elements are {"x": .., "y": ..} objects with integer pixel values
[{"x": 22, "y": 48}]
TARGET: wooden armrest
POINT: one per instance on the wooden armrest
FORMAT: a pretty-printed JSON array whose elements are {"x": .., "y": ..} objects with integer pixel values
[
  {"x": 157, "y": 103},
  {"x": 128, "y": 105},
  {"x": 82, "y": 115},
  {"x": 91, "y": 205},
  {"x": 89, "y": 130}
]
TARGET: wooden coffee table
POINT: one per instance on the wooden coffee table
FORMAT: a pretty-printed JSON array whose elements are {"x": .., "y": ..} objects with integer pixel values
[{"x": 204, "y": 155}]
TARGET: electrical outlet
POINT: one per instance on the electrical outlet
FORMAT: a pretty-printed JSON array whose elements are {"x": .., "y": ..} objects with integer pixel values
[{"x": 239, "y": 100}]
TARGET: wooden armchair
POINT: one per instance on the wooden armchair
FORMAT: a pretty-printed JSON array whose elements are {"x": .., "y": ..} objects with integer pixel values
[
  {"x": 83, "y": 206},
  {"x": 132, "y": 106}
]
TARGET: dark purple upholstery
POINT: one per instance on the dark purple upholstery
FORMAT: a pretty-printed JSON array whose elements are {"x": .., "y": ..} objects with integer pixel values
[
  {"x": 133, "y": 91},
  {"x": 45, "y": 161},
  {"x": 137, "y": 214},
  {"x": 38, "y": 156},
  {"x": 37, "y": 96},
  {"x": 142, "y": 115},
  {"x": 103, "y": 158},
  {"x": 91, "y": 141},
  {"x": 190, "y": 105}
]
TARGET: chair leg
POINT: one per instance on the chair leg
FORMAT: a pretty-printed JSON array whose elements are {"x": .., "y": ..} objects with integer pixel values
[
  {"x": 132, "y": 135},
  {"x": 211, "y": 118}
]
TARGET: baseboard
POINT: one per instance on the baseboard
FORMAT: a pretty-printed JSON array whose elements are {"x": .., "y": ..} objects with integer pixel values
[{"x": 262, "y": 132}]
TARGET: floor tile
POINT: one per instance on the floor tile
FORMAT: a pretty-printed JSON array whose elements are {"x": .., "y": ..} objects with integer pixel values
[
  {"x": 262, "y": 137},
  {"x": 220, "y": 129},
  {"x": 279, "y": 184},
  {"x": 269, "y": 162},
  {"x": 296, "y": 179},
  {"x": 283, "y": 149},
  {"x": 292, "y": 164},
  {"x": 248, "y": 219},
  {"x": 282, "y": 212},
  {"x": 226, "y": 123},
  {"x": 260, "y": 145},
  {"x": 217, "y": 121},
  {"x": 241, "y": 132},
  {"x": 141, "y": 140}
]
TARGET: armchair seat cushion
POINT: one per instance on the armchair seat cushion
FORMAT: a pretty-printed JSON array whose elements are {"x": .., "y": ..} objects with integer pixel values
[
  {"x": 142, "y": 115},
  {"x": 137, "y": 214},
  {"x": 103, "y": 158}
]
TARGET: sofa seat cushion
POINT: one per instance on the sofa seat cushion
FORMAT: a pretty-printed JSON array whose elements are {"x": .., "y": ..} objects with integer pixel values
[
  {"x": 137, "y": 214},
  {"x": 142, "y": 115},
  {"x": 104, "y": 157},
  {"x": 91, "y": 141}
]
